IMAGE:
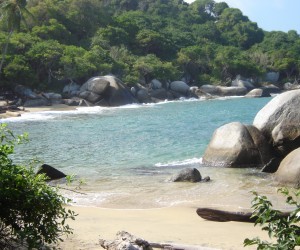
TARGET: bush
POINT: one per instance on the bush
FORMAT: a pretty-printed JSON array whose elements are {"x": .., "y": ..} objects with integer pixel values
[
  {"x": 284, "y": 229},
  {"x": 32, "y": 213}
]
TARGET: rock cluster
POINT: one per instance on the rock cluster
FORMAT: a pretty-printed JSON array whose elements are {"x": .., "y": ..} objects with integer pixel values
[{"x": 273, "y": 139}]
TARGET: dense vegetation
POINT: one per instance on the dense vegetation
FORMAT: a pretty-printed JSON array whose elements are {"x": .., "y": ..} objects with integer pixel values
[
  {"x": 138, "y": 40},
  {"x": 32, "y": 212}
]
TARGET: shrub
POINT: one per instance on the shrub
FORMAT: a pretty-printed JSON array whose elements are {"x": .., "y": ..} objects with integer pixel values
[
  {"x": 32, "y": 213},
  {"x": 284, "y": 229}
]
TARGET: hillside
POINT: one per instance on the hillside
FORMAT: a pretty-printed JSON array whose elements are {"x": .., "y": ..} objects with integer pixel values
[{"x": 205, "y": 42}]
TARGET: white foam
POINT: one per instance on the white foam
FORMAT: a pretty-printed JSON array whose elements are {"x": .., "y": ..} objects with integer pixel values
[{"x": 180, "y": 163}]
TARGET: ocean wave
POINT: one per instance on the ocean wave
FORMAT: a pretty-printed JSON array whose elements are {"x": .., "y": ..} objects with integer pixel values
[{"x": 187, "y": 162}]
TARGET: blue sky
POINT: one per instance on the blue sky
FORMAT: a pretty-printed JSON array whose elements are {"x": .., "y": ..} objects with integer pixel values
[{"x": 279, "y": 15}]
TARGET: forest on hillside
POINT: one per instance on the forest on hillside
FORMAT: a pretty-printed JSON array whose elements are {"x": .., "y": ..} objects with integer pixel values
[{"x": 48, "y": 43}]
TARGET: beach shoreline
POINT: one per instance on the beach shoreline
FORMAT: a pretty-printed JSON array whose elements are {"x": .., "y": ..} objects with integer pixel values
[{"x": 171, "y": 225}]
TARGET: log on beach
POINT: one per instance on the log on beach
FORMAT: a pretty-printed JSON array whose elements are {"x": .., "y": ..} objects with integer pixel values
[{"x": 223, "y": 216}]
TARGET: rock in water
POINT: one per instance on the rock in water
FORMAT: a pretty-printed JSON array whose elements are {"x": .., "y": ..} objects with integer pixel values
[
  {"x": 288, "y": 172},
  {"x": 51, "y": 172},
  {"x": 279, "y": 121},
  {"x": 238, "y": 146},
  {"x": 125, "y": 241},
  {"x": 188, "y": 175}
]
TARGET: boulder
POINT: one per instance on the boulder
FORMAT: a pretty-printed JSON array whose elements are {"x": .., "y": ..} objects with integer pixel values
[
  {"x": 97, "y": 85},
  {"x": 180, "y": 87},
  {"x": 54, "y": 98},
  {"x": 271, "y": 89},
  {"x": 279, "y": 121},
  {"x": 117, "y": 94},
  {"x": 143, "y": 96},
  {"x": 155, "y": 84},
  {"x": 258, "y": 93},
  {"x": 160, "y": 94},
  {"x": 187, "y": 175},
  {"x": 125, "y": 241},
  {"x": 238, "y": 146},
  {"x": 90, "y": 96},
  {"x": 291, "y": 86},
  {"x": 51, "y": 172},
  {"x": 288, "y": 172}
]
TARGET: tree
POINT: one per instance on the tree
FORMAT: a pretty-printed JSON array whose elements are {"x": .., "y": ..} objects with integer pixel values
[
  {"x": 32, "y": 213},
  {"x": 12, "y": 13}
]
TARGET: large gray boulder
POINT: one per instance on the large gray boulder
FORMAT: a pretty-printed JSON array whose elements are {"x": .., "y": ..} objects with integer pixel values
[
  {"x": 97, "y": 85},
  {"x": 187, "y": 175},
  {"x": 117, "y": 94},
  {"x": 238, "y": 146},
  {"x": 180, "y": 87},
  {"x": 279, "y": 121},
  {"x": 288, "y": 172},
  {"x": 143, "y": 96},
  {"x": 160, "y": 94},
  {"x": 155, "y": 84}
]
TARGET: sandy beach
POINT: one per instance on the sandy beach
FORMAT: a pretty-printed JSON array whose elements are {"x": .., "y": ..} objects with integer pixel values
[
  {"x": 174, "y": 225},
  {"x": 178, "y": 226}
]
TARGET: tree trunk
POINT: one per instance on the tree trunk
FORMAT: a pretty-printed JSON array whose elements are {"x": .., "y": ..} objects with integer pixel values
[{"x": 5, "y": 50}]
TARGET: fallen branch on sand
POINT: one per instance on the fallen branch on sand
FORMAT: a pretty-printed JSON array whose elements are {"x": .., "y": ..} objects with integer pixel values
[{"x": 223, "y": 216}]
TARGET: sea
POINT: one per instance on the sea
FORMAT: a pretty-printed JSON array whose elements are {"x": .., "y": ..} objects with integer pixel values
[{"x": 124, "y": 157}]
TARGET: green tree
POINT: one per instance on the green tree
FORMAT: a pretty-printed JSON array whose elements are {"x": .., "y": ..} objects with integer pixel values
[
  {"x": 12, "y": 14},
  {"x": 32, "y": 213}
]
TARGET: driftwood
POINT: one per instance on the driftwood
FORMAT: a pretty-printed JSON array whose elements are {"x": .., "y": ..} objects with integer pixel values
[{"x": 223, "y": 216}]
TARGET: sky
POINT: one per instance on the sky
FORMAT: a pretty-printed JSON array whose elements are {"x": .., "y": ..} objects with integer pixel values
[{"x": 270, "y": 15}]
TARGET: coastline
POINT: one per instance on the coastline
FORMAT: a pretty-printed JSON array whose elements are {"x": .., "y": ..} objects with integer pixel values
[
  {"x": 55, "y": 107},
  {"x": 179, "y": 226}
]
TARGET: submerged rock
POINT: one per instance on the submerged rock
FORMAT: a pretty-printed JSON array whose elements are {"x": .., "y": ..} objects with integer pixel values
[{"x": 51, "y": 172}]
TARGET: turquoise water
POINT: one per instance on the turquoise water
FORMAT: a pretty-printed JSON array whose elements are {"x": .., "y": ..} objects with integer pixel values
[{"x": 126, "y": 154}]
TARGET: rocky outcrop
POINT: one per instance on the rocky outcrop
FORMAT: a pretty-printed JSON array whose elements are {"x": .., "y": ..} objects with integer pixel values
[
  {"x": 255, "y": 93},
  {"x": 187, "y": 175},
  {"x": 288, "y": 172},
  {"x": 107, "y": 90},
  {"x": 238, "y": 146},
  {"x": 291, "y": 86},
  {"x": 224, "y": 91},
  {"x": 125, "y": 241},
  {"x": 279, "y": 122}
]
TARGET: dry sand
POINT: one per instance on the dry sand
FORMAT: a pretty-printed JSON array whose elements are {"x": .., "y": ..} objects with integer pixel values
[{"x": 174, "y": 225}]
